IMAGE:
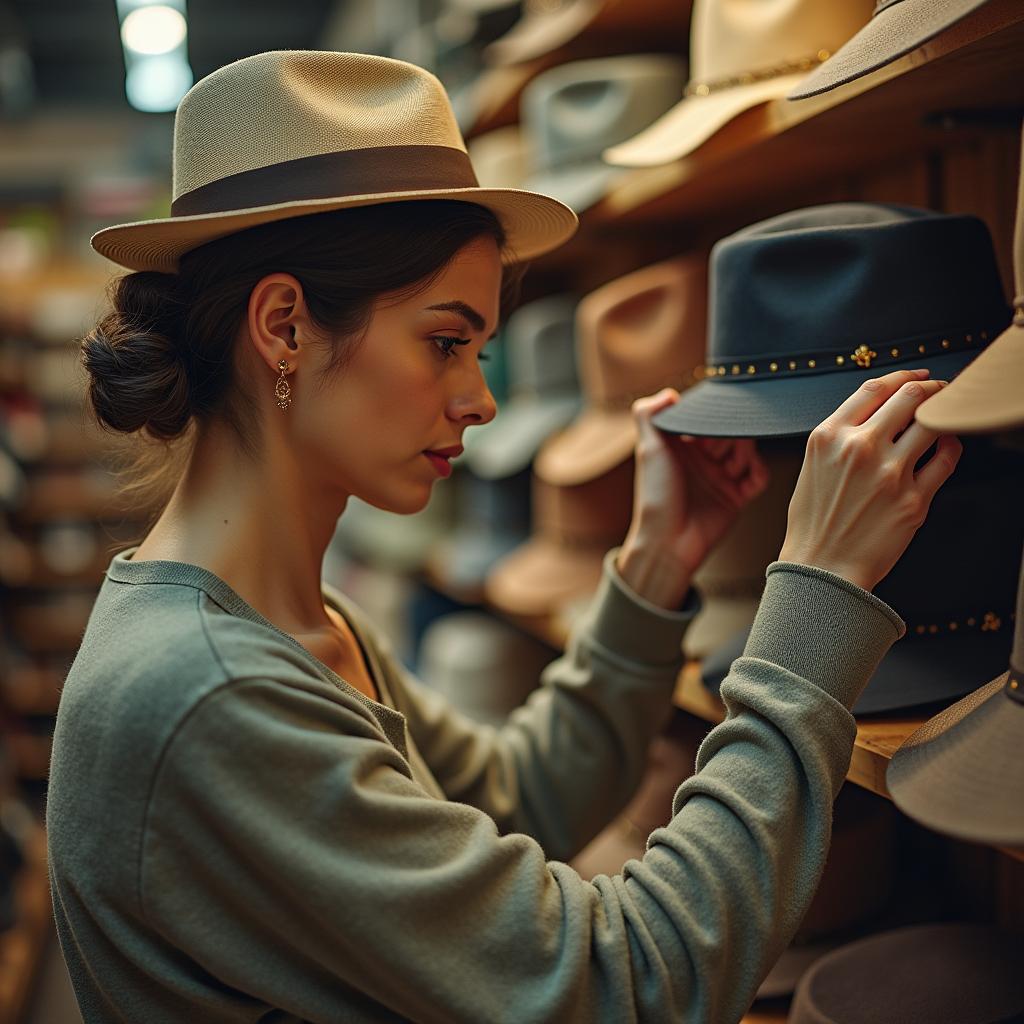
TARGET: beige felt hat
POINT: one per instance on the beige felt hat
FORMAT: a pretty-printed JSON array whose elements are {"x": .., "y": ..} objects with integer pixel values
[
  {"x": 573, "y": 529},
  {"x": 988, "y": 394},
  {"x": 549, "y": 25},
  {"x": 634, "y": 335},
  {"x": 895, "y": 28},
  {"x": 294, "y": 132},
  {"x": 742, "y": 53}
]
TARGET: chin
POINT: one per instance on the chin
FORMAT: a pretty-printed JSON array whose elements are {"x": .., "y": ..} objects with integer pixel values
[{"x": 405, "y": 504}]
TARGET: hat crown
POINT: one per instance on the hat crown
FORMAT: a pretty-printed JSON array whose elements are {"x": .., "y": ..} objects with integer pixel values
[
  {"x": 285, "y": 105},
  {"x": 732, "y": 37},
  {"x": 642, "y": 330},
  {"x": 541, "y": 358},
  {"x": 572, "y": 112},
  {"x": 830, "y": 278}
]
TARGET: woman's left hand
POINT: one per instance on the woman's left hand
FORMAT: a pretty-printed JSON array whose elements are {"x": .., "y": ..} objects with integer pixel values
[{"x": 686, "y": 496}]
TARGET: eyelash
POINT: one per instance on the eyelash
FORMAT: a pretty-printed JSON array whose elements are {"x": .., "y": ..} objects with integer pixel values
[{"x": 448, "y": 343}]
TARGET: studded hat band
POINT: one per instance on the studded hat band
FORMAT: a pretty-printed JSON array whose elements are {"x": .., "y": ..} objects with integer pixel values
[
  {"x": 863, "y": 357},
  {"x": 791, "y": 67},
  {"x": 986, "y": 622},
  {"x": 352, "y": 172}
]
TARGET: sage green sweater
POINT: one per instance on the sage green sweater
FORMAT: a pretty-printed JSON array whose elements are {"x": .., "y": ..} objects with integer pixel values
[{"x": 236, "y": 834}]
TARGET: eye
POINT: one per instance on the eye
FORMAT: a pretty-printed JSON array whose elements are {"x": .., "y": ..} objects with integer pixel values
[{"x": 446, "y": 344}]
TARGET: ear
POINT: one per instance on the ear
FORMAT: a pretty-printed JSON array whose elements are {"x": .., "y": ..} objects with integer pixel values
[{"x": 278, "y": 321}]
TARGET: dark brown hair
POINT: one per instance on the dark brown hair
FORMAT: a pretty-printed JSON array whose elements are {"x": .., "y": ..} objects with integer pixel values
[{"x": 161, "y": 361}]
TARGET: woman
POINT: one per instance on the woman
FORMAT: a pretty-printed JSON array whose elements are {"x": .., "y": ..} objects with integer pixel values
[{"x": 254, "y": 812}]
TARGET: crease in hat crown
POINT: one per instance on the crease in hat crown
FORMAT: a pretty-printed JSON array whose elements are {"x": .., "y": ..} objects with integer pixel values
[{"x": 283, "y": 105}]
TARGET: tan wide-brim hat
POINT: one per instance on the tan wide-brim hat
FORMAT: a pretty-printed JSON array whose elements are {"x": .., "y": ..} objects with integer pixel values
[
  {"x": 896, "y": 28},
  {"x": 295, "y": 132},
  {"x": 742, "y": 55},
  {"x": 988, "y": 394}
]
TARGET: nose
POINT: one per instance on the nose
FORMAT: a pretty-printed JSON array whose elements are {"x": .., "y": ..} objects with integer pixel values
[{"x": 472, "y": 404}]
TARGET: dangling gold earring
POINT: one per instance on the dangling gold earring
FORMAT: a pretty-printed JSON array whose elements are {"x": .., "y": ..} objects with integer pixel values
[{"x": 281, "y": 389}]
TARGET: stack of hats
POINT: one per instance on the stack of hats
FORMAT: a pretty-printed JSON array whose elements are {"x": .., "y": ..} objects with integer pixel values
[{"x": 962, "y": 772}]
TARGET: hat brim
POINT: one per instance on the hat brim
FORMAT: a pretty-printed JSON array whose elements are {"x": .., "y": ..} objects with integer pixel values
[
  {"x": 915, "y": 672},
  {"x": 779, "y": 407},
  {"x": 510, "y": 441},
  {"x": 536, "y": 35},
  {"x": 541, "y": 576},
  {"x": 987, "y": 395},
  {"x": 579, "y": 186},
  {"x": 534, "y": 224},
  {"x": 592, "y": 445},
  {"x": 693, "y": 121},
  {"x": 962, "y": 772},
  {"x": 890, "y": 34}
]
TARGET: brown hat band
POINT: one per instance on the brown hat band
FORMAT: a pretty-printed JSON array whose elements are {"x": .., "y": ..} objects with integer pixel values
[{"x": 352, "y": 172}]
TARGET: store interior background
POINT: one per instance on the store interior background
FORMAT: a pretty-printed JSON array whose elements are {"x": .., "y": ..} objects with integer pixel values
[{"x": 938, "y": 129}]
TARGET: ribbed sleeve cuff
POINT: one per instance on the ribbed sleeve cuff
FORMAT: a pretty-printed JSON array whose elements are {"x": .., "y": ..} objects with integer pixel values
[
  {"x": 822, "y": 627},
  {"x": 632, "y": 627}
]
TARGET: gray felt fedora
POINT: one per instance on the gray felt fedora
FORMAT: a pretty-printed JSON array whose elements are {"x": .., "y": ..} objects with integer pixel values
[
  {"x": 806, "y": 306},
  {"x": 962, "y": 772}
]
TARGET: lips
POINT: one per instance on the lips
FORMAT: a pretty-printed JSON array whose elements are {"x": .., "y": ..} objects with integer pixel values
[{"x": 439, "y": 457}]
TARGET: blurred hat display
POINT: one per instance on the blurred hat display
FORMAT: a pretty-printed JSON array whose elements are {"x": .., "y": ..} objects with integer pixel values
[
  {"x": 543, "y": 391},
  {"x": 962, "y": 772},
  {"x": 855, "y": 290},
  {"x": 856, "y": 884},
  {"x": 573, "y": 528},
  {"x": 896, "y": 27},
  {"x": 988, "y": 394},
  {"x": 485, "y": 667},
  {"x": 501, "y": 158},
  {"x": 572, "y": 112},
  {"x": 955, "y": 585},
  {"x": 492, "y": 519},
  {"x": 391, "y": 541},
  {"x": 604, "y": 25},
  {"x": 924, "y": 974},
  {"x": 731, "y": 578},
  {"x": 635, "y": 335},
  {"x": 742, "y": 53}
]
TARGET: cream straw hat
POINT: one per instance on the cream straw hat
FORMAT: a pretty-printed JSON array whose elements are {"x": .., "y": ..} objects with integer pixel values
[{"x": 294, "y": 132}]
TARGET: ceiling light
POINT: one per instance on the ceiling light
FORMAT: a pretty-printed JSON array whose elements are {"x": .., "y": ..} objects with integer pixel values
[{"x": 153, "y": 30}]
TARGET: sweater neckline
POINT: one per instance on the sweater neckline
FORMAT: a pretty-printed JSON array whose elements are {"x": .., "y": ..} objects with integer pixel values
[{"x": 157, "y": 570}]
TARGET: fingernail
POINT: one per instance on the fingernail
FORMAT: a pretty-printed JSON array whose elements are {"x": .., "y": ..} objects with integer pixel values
[{"x": 923, "y": 372}]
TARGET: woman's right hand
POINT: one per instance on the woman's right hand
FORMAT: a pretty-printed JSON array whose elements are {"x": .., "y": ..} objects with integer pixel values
[{"x": 858, "y": 500}]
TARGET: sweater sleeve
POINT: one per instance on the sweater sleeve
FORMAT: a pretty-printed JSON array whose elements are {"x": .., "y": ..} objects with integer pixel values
[
  {"x": 566, "y": 761},
  {"x": 288, "y": 852}
]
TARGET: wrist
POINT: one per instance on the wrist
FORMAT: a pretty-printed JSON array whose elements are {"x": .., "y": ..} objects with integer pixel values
[
  {"x": 835, "y": 566},
  {"x": 647, "y": 570}
]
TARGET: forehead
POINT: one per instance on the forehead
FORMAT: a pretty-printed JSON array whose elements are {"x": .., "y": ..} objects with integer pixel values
[{"x": 473, "y": 276}]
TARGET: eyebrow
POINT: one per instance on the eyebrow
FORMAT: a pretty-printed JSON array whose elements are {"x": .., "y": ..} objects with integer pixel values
[{"x": 466, "y": 311}]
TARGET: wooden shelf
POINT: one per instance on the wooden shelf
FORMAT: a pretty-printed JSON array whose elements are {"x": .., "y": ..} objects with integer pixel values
[
  {"x": 21, "y": 947},
  {"x": 780, "y": 147}
]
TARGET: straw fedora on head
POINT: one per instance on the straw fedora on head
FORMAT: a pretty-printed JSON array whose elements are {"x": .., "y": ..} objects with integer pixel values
[
  {"x": 925, "y": 974},
  {"x": 295, "y": 132},
  {"x": 572, "y": 112},
  {"x": 855, "y": 290},
  {"x": 955, "y": 585},
  {"x": 742, "y": 53},
  {"x": 895, "y": 28},
  {"x": 634, "y": 335},
  {"x": 988, "y": 394},
  {"x": 549, "y": 25},
  {"x": 962, "y": 772}
]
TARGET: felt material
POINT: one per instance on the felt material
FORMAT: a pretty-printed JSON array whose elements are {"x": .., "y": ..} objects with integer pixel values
[
  {"x": 832, "y": 296},
  {"x": 236, "y": 833}
]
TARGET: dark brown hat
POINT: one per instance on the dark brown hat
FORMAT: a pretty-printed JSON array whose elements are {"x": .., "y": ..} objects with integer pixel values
[
  {"x": 962, "y": 772},
  {"x": 926, "y": 974}
]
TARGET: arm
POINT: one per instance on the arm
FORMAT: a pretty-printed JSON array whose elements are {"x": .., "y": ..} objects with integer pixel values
[{"x": 294, "y": 859}]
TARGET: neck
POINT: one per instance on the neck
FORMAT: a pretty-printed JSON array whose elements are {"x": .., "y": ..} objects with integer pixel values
[{"x": 261, "y": 525}]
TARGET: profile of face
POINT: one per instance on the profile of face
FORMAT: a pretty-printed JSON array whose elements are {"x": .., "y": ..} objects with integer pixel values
[{"x": 413, "y": 386}]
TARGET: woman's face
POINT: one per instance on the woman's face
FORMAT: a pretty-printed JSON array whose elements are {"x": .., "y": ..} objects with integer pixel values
[{"x": 412, "y": 388}]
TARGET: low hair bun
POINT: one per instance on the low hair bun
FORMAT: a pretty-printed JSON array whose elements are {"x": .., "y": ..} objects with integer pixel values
[{"x": 137, "y": 372}]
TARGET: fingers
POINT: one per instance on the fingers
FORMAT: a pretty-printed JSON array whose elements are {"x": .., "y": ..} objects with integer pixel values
[
  {"x": 898, "y": 412},
  {"x": 644, "y": 410},
  {"x": 872, "y": 395},
  {"x": 938, "y": 469}
]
